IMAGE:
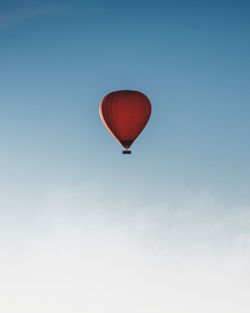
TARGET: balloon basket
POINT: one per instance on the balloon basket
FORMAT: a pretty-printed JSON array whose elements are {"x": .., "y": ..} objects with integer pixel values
[{"x": 126, "y": 152}]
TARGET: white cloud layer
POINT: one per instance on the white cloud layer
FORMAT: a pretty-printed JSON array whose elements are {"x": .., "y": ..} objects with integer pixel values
[{"x": 72, "y": 251}]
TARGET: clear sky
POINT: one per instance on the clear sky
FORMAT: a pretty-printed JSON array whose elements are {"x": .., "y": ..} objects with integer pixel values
[{"x": 163, "y": 230}]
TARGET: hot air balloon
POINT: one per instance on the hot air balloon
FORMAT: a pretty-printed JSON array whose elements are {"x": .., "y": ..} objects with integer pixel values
[{"x": 125, "y": 113}]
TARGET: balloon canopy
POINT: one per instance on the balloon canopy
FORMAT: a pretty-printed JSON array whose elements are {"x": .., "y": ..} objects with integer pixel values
[{"x": 125, "y": 113}]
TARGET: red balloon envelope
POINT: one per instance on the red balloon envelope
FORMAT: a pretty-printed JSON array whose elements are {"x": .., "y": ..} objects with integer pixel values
[{"x": 125, "y": 113}]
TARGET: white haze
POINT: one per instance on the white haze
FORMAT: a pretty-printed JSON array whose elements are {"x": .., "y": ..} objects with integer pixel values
[{"x": 70, "y": 251}]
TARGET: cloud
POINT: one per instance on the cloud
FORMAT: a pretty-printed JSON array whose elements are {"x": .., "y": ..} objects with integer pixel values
[
  {"x": 11, "y": 18},
  {"x": 76, "y": 250}
]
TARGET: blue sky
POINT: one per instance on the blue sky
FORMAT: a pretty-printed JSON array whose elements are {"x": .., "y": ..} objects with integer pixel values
[{"x": 58, "y": 59}]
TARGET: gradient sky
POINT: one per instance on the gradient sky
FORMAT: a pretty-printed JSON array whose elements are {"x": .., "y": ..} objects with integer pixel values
[{"x": 183, "y": 194}]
